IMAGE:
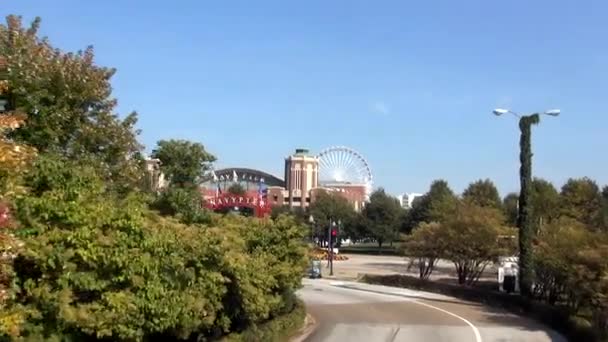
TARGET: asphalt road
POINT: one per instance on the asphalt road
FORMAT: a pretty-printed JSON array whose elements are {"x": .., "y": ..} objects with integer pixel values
[{"x": 348, "y": 311}]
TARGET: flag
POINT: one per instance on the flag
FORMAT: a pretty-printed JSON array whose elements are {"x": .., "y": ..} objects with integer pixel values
[
  {"x": 262, "y": 191},
  {"x": 215, "y": 179},
  {"x": 235, "y": 177}
]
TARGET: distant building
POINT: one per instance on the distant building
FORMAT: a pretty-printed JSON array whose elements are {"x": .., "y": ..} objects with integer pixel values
[
  {"x": 299, "y": 189},
  {"x": 407, "y": 199},
  {"x": 155, "y": 178}
]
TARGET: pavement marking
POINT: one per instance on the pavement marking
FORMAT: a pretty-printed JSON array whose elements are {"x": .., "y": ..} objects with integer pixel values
[{"x": 475, "y": 330}]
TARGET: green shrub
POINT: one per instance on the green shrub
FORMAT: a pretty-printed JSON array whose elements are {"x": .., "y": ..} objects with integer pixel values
[
  {"x": 97, "y": 266},
  {"x": 183, "y": 203},
  {"x": 276, "y": 330}
]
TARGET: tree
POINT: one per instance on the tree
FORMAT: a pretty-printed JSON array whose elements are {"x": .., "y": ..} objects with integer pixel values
[
  {"x": 67, "y": 103},
  {"x": 425, "y": 247},
  {"x": 236, "y": 189},
  {"x": 483, "y": 193},
  {"x": 471, "y": 240},
  {"x": 99, "y": 266},
  {"x": 382, "y": 215},
  {"x": 330, "y": 207},
  {"x": 182, "y": 161},
  {"x": 581, "y": 200},
  {"x": 545, "y": 202},
  {"x": 510, "y": 205},
  {"x": 432, "y": 207}
]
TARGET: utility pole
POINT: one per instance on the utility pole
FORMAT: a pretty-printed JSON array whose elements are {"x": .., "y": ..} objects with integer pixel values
[{"x": 526, "y": 233}]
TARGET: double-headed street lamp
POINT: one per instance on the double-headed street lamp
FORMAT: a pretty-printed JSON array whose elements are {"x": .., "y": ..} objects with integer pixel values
[{"x": 526, "y": 266}]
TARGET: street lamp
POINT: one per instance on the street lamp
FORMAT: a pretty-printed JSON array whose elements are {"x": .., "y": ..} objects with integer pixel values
[
  {"x": 526, "y": 265},
  {"x": 501, "y": 111},
  {"x": 311, "y": 220}
]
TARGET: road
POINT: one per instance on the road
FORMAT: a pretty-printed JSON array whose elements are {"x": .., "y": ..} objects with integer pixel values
[{"x": 349, "y": 311}]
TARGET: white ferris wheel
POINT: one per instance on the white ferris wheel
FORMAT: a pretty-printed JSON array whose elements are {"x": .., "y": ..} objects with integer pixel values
[{"x": 343, "y": 165}]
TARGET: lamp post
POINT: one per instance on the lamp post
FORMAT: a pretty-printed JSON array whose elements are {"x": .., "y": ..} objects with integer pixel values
[
  {"x": 311, "y": 220},
  {"x": 526, "y": 264},
  {"x": 332, "y": 235}
]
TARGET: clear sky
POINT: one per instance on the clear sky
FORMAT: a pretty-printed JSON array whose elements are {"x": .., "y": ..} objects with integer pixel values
[{"x": 409, "y": 84}]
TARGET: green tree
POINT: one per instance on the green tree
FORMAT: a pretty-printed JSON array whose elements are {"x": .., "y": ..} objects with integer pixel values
[
  {"x": 330, "y": 207},
  {"x": 424, "y": 247},
  {"x": 434, "y": 206},
  {"x": 382, "y": 215},
  {"x": 236, "y": 189},
  {"x": 509, "y": 205},
  {"x": 99, "y": 266},
  {"x": 68, "y": 105},
  {"x": 545, "y": 203},
  {"x": 581, "y": 200},
  {"x": 483, "y": 193},
  {"x": 470, "y": 238},
  {"x": 182, "y": 161}
]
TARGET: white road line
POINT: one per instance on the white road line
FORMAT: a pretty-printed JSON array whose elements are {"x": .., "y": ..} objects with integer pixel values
[{"x": 475, "y": 330}]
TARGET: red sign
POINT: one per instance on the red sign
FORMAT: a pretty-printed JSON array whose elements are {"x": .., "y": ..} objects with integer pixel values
[{"x": 251, "y": 200}]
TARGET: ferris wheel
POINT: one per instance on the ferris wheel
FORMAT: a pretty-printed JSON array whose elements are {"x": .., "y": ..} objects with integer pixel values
[{"x": 343, "y": 165}]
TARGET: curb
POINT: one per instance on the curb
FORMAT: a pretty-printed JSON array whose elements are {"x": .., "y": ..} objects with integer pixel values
[{"x": 310, "y": 325}]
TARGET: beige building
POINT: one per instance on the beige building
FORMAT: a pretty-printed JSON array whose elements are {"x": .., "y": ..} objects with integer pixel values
[{"x": 301, "y": 176}]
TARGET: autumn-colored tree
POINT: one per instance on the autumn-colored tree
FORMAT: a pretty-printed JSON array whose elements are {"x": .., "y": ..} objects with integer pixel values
[
  {"x": 509, "y": 205},
  {"x": 424, "y": 247},
  {"x": 67, "y": 103},
  {"x": 483, "y": 193}
]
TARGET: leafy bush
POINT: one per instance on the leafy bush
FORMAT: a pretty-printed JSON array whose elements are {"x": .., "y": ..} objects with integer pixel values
[
  {"x": 276, "y": 330},
  {"x": 183, "y": 203},
  {"x": 469, "y": 237},
  {"x": 97, "y": 266}
]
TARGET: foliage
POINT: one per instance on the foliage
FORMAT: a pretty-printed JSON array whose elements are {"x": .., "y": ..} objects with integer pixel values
[
  {"x": 67, "y": 102},
  {"x": 276, "y": 330},
  {"x": 545, "y": 201},
  {"x": 425, "y": 247},
  {"x": 100, "y": 266},
  {"x": 603, "y": 216},
  {"x": 509, "y": 205},
  {"x": 330, "y": 207},
  {"x": 432, "y": 207},
  {"x": 524, "y": 218},
  {"x": 183, "y": 203},
  {"x": 581, "y": 200},
  {"x": 382, "y": 215},
  {"x": 182, "y": 161},
  {"x": 483, "y": 193},
  {"x": 237, "y": 189},
  {"x": 14, "y": 157},
  {"x": 470, "y": 238}
]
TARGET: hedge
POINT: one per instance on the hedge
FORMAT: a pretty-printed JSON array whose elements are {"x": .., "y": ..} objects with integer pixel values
[
  {"x": 275, "y": 330},
  {"x": 558, "y": 318}
]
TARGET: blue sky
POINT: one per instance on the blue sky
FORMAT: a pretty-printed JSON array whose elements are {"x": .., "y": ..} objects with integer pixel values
[{"x": 409, "y": 84}]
